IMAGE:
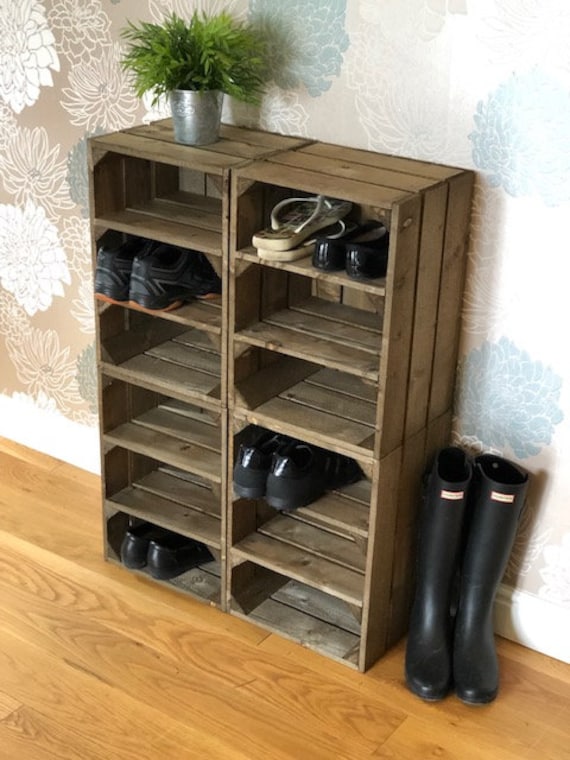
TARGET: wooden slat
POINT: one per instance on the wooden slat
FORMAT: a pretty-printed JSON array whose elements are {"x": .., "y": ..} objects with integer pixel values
[
  {"x": 351, "y": 170},
  {"x": 318, "y": 605},
  {"x": 205, "y": 315},
  {"x": 183, "y": 355},
  {"x": 376, "y": 287},
  {"x": 333, "y": 186},
  {"x": 321, "y": 543},
  {"x": 263, "y": 385},
  {"x": 312, "y": 425},
  {"x": 341, "y": 332},
  {"x": 355, "y": 361},
  {"x": 327, "y": 400},
  {"x": 164, "y": 230},
  {"x": 185, "y": 208},
  {"x": 184, "y": 492},
  {"x": 177, "y": 425},
  {"x": 380, "y": 161},
  {"x": 165, "y": 448},
  {"x": 168, "y": 514},
  {"x": 305, "y": 629},
  {"x": 296, "y": 563},
  {"x": 333, "y": 510},
  {"x": 339, "y": 312},
  {"x": 340, "y": 382},
  {"x": 181, "y": 382},
  {"x": 197, "y": 339}
]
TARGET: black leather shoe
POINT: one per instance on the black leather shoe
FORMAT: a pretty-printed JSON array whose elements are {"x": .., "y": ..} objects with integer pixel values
[
  {"x": 174, "y": 554},
  {"x": 332, "y": 252},
  {"x": 367, "y": 256},
  {"x": 134, "y": 547},
  {"x": 114, "y": 267},
  {"x": 254, "y": 462}
]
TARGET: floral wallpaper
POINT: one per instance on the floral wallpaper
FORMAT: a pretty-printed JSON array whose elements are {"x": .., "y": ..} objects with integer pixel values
[{"x": 484, "y": 85}]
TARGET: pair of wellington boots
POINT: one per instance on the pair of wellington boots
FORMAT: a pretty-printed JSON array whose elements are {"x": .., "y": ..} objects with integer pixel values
[{"x": 467, "y": 526}]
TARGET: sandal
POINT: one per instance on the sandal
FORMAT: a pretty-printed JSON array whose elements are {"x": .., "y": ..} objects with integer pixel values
[
  {"x": 304, "y": 217},
  {"x": 307, "y": 247}
]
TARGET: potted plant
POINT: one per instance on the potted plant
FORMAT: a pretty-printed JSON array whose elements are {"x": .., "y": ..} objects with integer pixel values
[{"x": 195, "y": 63}]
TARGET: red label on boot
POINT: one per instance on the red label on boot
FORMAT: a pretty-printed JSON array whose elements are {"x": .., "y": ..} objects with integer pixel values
[
  {"x": 504, "y": 498},
  {"x": 452, "y": 495}
]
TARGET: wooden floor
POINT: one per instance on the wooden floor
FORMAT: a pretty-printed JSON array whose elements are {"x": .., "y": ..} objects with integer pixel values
[{"x": 96, "y": 663}]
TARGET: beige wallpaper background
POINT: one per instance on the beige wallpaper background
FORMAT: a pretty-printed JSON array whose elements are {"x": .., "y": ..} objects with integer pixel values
[{"x": 477, "y": 84}]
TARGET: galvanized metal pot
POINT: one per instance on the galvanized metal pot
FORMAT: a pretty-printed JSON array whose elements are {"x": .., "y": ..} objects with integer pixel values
[{"x": 196, "y": 116}]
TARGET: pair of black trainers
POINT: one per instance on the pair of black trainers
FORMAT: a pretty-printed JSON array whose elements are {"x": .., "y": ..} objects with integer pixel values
[
  {"x": 163, "y": 553},
  {"x": 153, "y": 276},
  {"x": 289, "y": 473}
]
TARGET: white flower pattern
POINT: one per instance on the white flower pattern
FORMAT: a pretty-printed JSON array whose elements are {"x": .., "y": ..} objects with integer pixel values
[
  {"x": 27, "y": 53},
  {"x": 32, "y": 262}
]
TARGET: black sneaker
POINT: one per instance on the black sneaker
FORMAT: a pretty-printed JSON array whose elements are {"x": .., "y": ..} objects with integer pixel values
[
  {"x": 114, "y": 266},
  {"x": 175, "y": 554},
  {"x": 254, "y": 462},
  {"x": 300, "y": 474},
  {"x": 163, "y": 278}
]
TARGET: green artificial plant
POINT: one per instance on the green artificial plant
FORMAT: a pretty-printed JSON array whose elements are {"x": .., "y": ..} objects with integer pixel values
[{"x": 207, "y": 53}]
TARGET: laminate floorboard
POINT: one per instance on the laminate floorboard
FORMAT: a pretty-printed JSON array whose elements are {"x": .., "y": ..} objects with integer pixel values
[{"x": 97, "y": 663}]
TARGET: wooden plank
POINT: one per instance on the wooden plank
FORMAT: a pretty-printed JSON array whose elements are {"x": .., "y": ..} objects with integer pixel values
[
  {"x": 312, "y": 540},
  {"x": 185, "y": 208},
  {"x": 342, "y": 332},
  {"x": 426, "y": 307},
  {"x": 304, "y": 629},
  {"x": 297, "y": 564},
  {"x": 318, "y": 605},
  {"x": 254, "y": 390},
  {"x": 375, "y": 287},
  {"x": 184, "y": 492},
  {"x": 398, "y": 321},
  {"x": 451, "y": 294},
  {"x": 317, "y": 183},
  {"x": 168, "y": 514},
  {"x": 191, "y": 430},
  {"x": 272, "y": 337},
  {"x": 381, "y": 161},
  {"x": 204, "y": 315},
  {"x": 198, "y": 339},
  {"x": 338, "y": 404},
  {"x": 340, "y": 382},
  {"x": 184, "y": 355},
  {"x": 334, "y": 166},
  {"x": 337, "y": 512},
  {"x": 165, "y": 448},
  {"x": 339, "y": 312},
  {"x": 180, "y": 382},
  {"x": 163, "y": 230},
  {"x": 314, "y": 426},
  {"x": 133, "y": 338}
]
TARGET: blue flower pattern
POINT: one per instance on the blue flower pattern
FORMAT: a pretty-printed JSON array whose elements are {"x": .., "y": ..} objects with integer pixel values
[
  {"x": 307, "y": 41},
  {"x": 522, "y": 137},
  {"x": 506, "y": 399}
]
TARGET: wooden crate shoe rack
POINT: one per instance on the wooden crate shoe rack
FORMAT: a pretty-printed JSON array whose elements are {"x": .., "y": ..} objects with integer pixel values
[
  {"x": 163, "y": 377},
  {"x": 363, "y": 368}
]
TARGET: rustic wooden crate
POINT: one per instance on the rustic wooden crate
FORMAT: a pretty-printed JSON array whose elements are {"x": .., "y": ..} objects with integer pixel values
[{"x": 364, "y": 368}]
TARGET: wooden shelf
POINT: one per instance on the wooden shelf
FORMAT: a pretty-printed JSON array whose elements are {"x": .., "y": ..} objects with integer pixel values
[
  {"x": 204, "y": 315},
  {"x": 180, "y": 452},
  {"x": 334, "y": 335}
]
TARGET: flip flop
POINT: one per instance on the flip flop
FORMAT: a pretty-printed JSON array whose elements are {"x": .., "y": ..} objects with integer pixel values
[
  {"x": 307, "y": 247},
  {"x": 293, "y": 220}
]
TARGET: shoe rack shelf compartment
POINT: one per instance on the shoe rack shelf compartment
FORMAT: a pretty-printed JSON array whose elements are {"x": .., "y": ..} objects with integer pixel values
[{"x": 364, "y": 368}]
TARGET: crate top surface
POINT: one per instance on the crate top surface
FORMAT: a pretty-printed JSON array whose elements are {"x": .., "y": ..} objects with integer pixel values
[
  {"x": 345, "y": 172},
  {"x": 155, "y": 142}
]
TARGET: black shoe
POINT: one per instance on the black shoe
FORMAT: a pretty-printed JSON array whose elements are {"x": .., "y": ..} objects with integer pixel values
[
  {"x": 167, "y": 276},
  {"x": 254, "y": 462},
  {"x": 340, "y": 252},
  {"x": 113, "y": 270},
  {"x": 134, "y": 547},
  {"x": 174, "y": 554},
  {"x": 301, "y": 473}
]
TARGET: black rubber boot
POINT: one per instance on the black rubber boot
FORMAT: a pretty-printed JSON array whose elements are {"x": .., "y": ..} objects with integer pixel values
[
  {"x": 499, "y": 489},
  {"x": 429, "y": 645}
]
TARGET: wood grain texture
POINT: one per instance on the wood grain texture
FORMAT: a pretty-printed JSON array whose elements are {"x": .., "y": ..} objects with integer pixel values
[{"x": 98, "y": 663}]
